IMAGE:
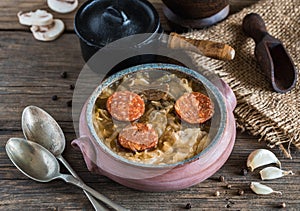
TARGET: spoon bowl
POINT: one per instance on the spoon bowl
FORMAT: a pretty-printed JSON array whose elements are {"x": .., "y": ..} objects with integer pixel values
[
  {"x": 39, "y": 125},
  {"x": 39, "y": 164},
  {"x": 32, "y": 159}
]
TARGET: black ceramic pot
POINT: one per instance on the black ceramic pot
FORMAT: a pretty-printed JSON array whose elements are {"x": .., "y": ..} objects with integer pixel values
[{"x": 100, "y": 22}]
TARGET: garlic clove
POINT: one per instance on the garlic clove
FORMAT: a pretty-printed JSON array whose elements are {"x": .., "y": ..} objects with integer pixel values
[
  {"x": 261, "y": 157},
  {"x": 261, "y": 189},
  {"x": 37, "y": 18},
  {"x": 270, "y": 173},
  {"x": 62, "y": 6},
  {"x": 49, "y": 32}
]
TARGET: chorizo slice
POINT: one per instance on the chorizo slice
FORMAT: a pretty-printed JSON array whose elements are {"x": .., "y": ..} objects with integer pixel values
[
  {"x": 138, "y": 137},
  {"x": 125, "y": 106},
  {"x": 194, "y": 107}
]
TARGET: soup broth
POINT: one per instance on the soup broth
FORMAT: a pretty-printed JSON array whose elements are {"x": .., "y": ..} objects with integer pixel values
[{"x": 178, "y": 140}]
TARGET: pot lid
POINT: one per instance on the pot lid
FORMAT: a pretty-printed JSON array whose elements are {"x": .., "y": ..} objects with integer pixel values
[{"x": 99, "y": 22}]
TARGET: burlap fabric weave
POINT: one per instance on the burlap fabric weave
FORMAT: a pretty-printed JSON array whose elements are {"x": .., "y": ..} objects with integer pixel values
[{"x": 274, "y": 117}]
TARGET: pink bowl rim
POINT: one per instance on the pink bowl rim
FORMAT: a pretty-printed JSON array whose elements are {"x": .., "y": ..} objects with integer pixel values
[{"x": 165, "y": 67}]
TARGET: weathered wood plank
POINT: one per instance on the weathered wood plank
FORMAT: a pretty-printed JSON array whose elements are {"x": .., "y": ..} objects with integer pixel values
[
  {"x": 28, "y": 81},
  {"x": 201, "y": 196},
  {"x": 10, "y": 8},
  {"x": 30, "y": 74}
]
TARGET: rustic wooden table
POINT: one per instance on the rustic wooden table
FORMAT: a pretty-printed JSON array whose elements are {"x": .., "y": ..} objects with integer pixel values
[{"x": 30, "y": 75}]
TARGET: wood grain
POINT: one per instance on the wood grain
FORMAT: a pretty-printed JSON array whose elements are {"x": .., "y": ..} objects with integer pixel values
[
  {"x": 30, "y": 75},
  {"x": 9, "y": 10}
]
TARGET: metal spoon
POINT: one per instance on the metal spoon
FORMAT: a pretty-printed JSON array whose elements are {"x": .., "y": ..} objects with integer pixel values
[
  {"x": 38, "y": 126},
  {"x": 39, "y": 164}
]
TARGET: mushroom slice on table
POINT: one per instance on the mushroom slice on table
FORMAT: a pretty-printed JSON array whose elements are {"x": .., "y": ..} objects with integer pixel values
[
  {"x": 62, "y": 6},
  {"x": 49, "y": 32},
  {"x": 37, "y": 18}
]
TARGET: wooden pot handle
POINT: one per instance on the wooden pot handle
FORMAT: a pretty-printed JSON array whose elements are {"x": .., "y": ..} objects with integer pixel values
[{"x": 208, "y": 48}]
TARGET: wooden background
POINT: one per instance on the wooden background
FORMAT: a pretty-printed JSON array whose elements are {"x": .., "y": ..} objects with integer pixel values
[{"x": 30, "y": 75}]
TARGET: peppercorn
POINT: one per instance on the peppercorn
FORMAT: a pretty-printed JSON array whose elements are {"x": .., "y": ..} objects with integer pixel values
[
  {"x": 283, "y": 205},
  {"x": 244, "y": 172},
  {"x": 222, "y": 178},
  {"x": 64, "y": 74},
  {"x": 69, "y": 103},
  {"x": 217, "y": 193},
  {"x": 241, "y": 192},
  {"x": 54, "y": 97},
  {"x": 188, "y": 206},
  {"x": 72, "y": 86}
]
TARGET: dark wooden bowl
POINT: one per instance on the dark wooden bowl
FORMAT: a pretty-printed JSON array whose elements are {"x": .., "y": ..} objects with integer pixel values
[{"x": 195, "y": 9}]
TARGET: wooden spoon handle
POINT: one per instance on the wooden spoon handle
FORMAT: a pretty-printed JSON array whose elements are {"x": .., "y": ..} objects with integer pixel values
[
  {"x": 254, "y": 26},
  {"x": 208, "y": 48}
]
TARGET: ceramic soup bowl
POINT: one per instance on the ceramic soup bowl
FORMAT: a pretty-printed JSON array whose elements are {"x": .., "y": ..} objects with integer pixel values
[{"x": 102, "y": 159}]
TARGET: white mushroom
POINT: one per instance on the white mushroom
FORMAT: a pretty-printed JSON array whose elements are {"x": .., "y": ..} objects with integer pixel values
[
  {"x": 62, "y": 6},
  {"x": 37, "y": 18},
  {"x": 50, "y": 32}
]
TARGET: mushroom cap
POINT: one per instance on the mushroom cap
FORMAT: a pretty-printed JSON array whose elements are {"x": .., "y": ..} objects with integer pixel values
[
  {"x": 62, "y": 6},
  {"x": 50, "y": 32},
  {"x": 37, "y": 18}
]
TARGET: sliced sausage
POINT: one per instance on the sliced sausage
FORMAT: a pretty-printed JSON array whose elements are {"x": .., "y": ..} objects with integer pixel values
[
  {"x": 125, "y": 106},
  {"x": 194, "y": 107},
  {"x": 138, "y": 137}
]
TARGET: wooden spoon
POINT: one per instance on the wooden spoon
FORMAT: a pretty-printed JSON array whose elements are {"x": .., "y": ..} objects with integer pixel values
[{"x": 271, "y": 55}]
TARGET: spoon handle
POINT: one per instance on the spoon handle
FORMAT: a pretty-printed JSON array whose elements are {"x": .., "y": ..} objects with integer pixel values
[
  {"x": 254, "y": 26},
  {"x": 72, "y": 180},
  {"x": 94, "y": 202}
]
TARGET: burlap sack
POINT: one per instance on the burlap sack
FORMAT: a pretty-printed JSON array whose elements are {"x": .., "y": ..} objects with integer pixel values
[{"x": 274, "y": 117}]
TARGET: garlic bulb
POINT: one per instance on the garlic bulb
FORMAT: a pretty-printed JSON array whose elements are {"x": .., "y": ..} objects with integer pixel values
[
  {"x": 270, "y": 173},
  {"x": 261, "y": 157},
  {"x": 261, "y": 189}
]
